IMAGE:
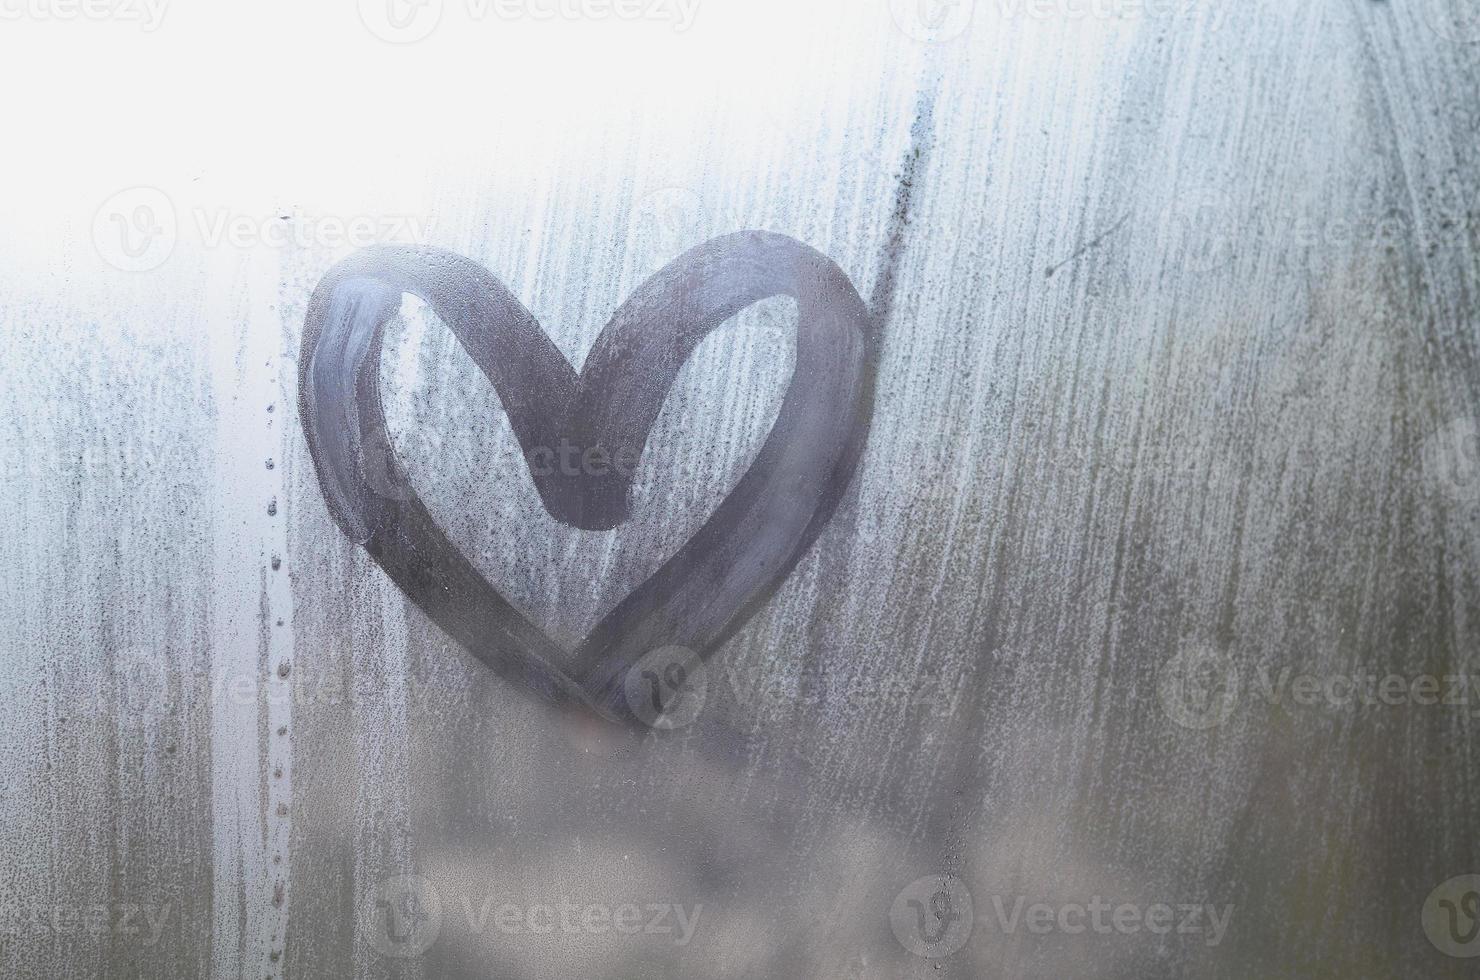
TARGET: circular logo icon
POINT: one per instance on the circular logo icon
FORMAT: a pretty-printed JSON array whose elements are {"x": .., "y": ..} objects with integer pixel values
[
  {"x": 932, "y": 20},
  {"x": 141, "y": 682},
  {"x": 1451, "y": 461},
  {"x": 1451, "y": 917},
  {"x": 401, "y": 21},
  {"x": 403, "y": 917},
  {"x": 932, "y": 917},
  {"x": 1453, "y": 20},
  {"x": 135, "y": 230},
  {"x": 1198, "y": 688},
  {"x": 667, "y": 688}
]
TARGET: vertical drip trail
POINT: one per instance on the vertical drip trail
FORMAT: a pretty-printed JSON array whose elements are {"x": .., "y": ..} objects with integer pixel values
[
  {"x": 251, "y": 617},
  {"x": 950, "y": 823},
  {"x": 922, "y": 135},
  {"x": 278, "y": 754}
]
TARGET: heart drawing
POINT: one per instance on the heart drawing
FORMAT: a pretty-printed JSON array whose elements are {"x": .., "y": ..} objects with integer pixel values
[{"x": 732, "y": 564}]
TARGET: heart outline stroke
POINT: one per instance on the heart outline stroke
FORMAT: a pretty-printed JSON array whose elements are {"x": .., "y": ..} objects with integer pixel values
[{"x": 723, "y": 574}]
